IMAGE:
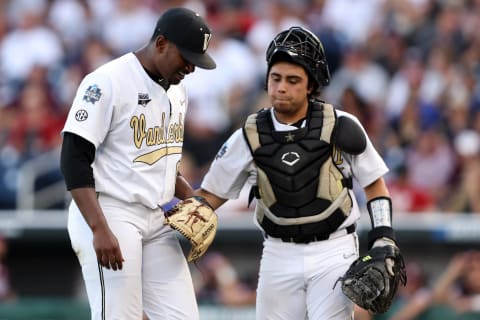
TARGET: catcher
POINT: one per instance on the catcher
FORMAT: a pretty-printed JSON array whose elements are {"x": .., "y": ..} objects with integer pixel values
[{"x": 301, "y": 155}]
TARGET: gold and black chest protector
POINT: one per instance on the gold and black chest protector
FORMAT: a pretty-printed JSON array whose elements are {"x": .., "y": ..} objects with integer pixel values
[{"x": 300, "y": 190}]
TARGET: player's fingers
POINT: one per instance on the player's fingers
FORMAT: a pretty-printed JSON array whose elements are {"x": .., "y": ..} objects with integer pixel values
[
  {"x": 389, "y": 262},
  {"x": 119, "y": 259},
  {"x": 104, "y": 261},
  {"x": 113, "y": 262},
  {"x": 119, "y": 264}
]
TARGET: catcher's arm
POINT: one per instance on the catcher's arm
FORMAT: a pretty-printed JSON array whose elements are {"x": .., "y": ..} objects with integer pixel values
[
  {"x": 212, "y": 199},
  {"x": 379, "y": 208},
  {"x": 183, "y": 189},
  {"x": 372, "y": 280}
]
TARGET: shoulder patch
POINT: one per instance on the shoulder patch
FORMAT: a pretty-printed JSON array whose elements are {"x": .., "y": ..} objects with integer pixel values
[
  {"x": 222, "y": 151},
  {"x": 81, "y": 115},
  {"x": 92, "y": 94}
]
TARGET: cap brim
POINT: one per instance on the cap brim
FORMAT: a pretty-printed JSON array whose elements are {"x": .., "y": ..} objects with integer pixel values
[{"x": 201, "y": 60}]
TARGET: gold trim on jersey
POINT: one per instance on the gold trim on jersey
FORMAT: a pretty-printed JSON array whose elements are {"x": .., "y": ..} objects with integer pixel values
[{"x": 152, "y": 157}]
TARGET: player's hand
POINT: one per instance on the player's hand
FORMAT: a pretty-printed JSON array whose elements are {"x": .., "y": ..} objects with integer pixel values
[{"x": 107, "y": 249}]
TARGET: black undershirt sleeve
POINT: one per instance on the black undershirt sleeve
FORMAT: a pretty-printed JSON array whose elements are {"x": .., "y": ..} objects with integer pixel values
[{"x": 75, "y": 161}]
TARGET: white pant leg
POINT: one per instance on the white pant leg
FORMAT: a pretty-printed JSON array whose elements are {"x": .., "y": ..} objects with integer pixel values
[
  {"x": 281, "y": 286},
  {"x": 111, "y": 294},
  {"x": 168, "y": 291},
  {"x": 296, "y": 279},
  {"x": 155, "y": 277},
  {"x": 327, "y": 261}
]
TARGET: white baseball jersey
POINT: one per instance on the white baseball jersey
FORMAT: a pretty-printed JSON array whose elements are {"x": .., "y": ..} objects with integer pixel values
[
  {"x": 234, "y": 166},
  {"x": 136, "y": 127}
]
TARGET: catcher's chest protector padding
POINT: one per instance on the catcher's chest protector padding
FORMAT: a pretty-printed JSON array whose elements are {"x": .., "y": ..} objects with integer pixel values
[{"x": 297, "y": 175}]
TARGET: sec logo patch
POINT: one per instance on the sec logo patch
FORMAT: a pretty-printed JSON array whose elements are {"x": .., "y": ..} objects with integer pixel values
[{"x": 81, "y": 115}]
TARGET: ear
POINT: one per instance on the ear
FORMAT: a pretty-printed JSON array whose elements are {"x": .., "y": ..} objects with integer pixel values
[
  {"x": 161, "y": 43},
  {"x": 310, "y": 86}
]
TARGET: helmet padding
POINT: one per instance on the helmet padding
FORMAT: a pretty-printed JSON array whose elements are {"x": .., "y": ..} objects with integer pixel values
[{"x": 300, "y": 46}]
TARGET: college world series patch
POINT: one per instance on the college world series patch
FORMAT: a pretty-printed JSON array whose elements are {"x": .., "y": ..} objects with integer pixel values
[{"x": 92, "y": 94}]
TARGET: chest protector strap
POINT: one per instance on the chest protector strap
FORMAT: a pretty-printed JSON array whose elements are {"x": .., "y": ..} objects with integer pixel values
[{"x": 300, "y": 191}]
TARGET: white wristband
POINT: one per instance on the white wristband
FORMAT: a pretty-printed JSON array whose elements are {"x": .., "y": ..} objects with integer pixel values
[{"x": 380, "y": 210}]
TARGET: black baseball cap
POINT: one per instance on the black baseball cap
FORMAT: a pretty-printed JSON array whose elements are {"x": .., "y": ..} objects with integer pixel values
[{"x": 190, "y": 33}]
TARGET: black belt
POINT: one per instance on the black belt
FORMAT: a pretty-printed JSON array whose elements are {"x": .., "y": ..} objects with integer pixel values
[{"x": 316, "y": 237}]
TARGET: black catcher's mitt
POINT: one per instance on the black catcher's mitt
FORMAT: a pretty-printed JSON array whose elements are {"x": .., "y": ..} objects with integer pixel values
[{"x": 372, "y": 280}]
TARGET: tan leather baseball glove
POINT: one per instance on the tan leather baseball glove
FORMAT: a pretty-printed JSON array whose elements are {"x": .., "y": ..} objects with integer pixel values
[{"x": 196, "y": 221}]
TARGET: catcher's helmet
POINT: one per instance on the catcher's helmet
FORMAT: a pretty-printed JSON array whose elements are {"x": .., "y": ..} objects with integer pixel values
[{"x": 301, "y": 46}]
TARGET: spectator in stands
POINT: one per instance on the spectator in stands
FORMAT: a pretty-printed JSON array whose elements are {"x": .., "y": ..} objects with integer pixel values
[
  {"x": 9, "y": 158},
  {"x": 414, "y": 301},
  {"x": 431, "y": 163},
  {"x": 129, "y": 17},
  {"x": 273, "y": 16},
  {"x": 5, "y": 94},
  {"x": 72, "y": 21},
  {"x": 407, "y": 124},
  {"x": 355, "y": 20},
  {"x": 358, "y": 71},
  {"x": 94, "y": 52},
  {"x": 404, "y": 85},
  {"x": 351, "y": 101},
  {"x": 464, "y": 196},
  {"x": 458, "y": 287},
  {"x": 407, "y": 197},
  {"x": 29, "y": 43},
  {"x": 37, "y": 127},
  {"x": 218, "y": 98},
  {"x": 33, "y": 130},
  {"x": 6, "y": 290},
  {"x": 218, "y": 283}
]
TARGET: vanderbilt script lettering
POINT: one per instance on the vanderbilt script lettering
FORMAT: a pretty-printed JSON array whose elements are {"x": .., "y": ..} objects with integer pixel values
[{"x": 156, "y": 135}]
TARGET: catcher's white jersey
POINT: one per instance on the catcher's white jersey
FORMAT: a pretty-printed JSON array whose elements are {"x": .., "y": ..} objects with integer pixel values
[
  {"x": 287, "y": 269},
  {"x": 234, "y": 166},
  {"x": 136, "y": 127}
]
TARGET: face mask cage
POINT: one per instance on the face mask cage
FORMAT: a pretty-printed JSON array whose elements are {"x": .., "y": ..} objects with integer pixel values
[{"x": 304, "y": 48}]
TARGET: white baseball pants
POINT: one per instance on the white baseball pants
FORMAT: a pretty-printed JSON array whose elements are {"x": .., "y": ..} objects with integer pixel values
[
  {"x": 297, "y": 281},
  {"x": 155, "y": 277}
]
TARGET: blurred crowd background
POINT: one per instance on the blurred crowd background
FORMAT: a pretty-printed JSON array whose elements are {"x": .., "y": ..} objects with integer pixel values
[{"x": 408, "y": 69}]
